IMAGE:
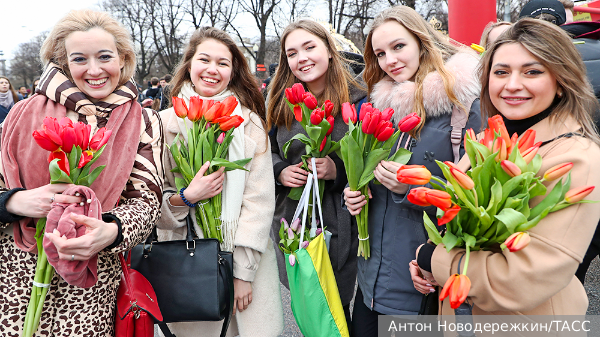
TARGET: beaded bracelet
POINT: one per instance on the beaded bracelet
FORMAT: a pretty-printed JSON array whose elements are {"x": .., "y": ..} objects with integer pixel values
[{"x": 185, "y": 201}]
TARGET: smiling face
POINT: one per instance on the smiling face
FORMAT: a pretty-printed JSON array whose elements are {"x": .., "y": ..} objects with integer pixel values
[
  {"x": 520, "y": 86},
  {"x": 94, "y": 62},
  {"x": 397, "y": 51},
  {"x": 308, "y": 59},
  {"x": 4, "y": 85},
  {"x": 211, "y": 68}
]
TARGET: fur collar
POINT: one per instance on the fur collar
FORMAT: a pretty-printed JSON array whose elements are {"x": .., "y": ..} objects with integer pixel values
[{"x": 400, "y": 96}]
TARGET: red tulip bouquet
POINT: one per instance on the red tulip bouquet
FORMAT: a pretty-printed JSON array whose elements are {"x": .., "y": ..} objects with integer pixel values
[
  {"x": 72, "y": 154},
  {"x": 317, "y": 121},
  {"x": 488, "y": 207},
  {"x": 208, "y": 140},
  {"x": 367, "y": 143}
]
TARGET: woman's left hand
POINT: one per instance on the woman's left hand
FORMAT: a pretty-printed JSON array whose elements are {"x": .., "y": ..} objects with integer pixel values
[
  {"x": 242, "y": 294},
  {"x": 98, "y": 235},
  {"x": 326, "y": 168},
  {"x": 385, "y": 173}
]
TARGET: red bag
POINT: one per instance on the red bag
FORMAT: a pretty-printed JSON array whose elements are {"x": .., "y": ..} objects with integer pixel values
[{"x": 137, "y": 308}]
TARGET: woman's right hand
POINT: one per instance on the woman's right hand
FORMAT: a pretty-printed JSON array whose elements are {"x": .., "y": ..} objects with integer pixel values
[
  {"x": 355, "y": 200},
  {"x": 293, "y": 176},
  {"x": 204, "y": 187},
  {"x": 37, "y": 202}
]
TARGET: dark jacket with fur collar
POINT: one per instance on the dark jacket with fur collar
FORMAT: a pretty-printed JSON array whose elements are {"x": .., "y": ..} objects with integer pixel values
[{"x": 395, "y": 225}]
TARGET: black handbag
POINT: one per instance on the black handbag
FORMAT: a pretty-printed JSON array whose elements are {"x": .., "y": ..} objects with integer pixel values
[{"x": 192, "y": 278}]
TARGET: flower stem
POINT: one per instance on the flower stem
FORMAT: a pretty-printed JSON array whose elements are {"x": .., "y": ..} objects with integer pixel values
[{"x": 467, "y": 255}]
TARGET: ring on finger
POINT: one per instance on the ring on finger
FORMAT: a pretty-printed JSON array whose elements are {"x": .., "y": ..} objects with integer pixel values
[
  {"x": 72, "y": 257},
  {"x": 52, "y": 198}
]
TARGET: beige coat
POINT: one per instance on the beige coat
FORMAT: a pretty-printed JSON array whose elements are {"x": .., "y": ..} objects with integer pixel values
[
  {"x": 540, "y": 279},
  {"x": 254, "y": 255}
]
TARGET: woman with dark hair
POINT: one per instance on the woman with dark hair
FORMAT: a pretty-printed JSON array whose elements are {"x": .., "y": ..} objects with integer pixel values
[
  {"x": 214, "y": 68},
  {"x": 8, "y": 97}
]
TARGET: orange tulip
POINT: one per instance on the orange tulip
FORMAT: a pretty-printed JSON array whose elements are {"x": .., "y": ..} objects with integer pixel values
[
  {"x": 471, "y": 135},
  {"x": 488, "y": 138},
  {"x": 557, "y": 171},
  {"x": 195, "y": 111},
  {"x": 510, "y": 168},
  {"x": 530, "y": 153},
  {"x": 513, "y": 142},
  {"x": 418, "y": 195},
  {"x": 213, "y": 112},
  {"x": 517, "y": 241},
  {"x": 451, "y": 165},
  {"x": 449, "y": 215},
  {"x": 577, "y": 194},
  {"x": 457, "y": 287},
  {"x": 180, "y": 107},
  {"x": 526, "y": 140},
  {"x": 500, "y": 147},
  {"x": 229, "y": 104},
  {"x": 496, "y": 123},
  {"x": 413, "y": 174},
  {"x": 232, "y": 122},
  {"x": 462, "y": 179},
  {"x": 439, "y": 199}
]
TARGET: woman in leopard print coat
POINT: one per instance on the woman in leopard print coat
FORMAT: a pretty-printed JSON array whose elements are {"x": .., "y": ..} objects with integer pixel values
[{"x": 89, "y": 59}]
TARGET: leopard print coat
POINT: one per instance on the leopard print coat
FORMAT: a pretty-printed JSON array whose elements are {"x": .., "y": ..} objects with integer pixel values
[{"x": 69, "y": 310}]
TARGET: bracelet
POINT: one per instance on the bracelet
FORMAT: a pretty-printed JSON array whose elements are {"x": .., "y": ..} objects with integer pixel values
[{"x": 185, "y": 201}]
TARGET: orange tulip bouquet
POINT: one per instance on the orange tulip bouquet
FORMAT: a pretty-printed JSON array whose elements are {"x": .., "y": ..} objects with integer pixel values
[
  {"x": 72, "y": 154},
  {"x": 367, "y": 143},
  {"x": 208, "y": 140},
  {"x": 488, "y": 207},
  {"x": 317, "y": 122}
]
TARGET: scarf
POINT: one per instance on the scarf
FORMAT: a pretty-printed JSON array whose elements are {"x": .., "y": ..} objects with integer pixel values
[
  {"x": 20, "y": 153},
  {"x": 6, "y": 99},
  {"x": 233, "y": 191}
]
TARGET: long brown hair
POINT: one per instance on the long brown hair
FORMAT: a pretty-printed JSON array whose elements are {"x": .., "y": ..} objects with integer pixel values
[
  {"x": 434, "y": 48},
  {"x": 338, "y": 77},
  {"x": 12, "y": 90},
  {"x": 555, "y": 50},
  {"x": 242, "y": 83}
]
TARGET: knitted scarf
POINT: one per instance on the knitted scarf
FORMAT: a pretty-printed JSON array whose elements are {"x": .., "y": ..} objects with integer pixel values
[
  {"x": 233, "y": 187},
  {"x": 6, "y": 99},
  {"x": 25, "y": 164}
]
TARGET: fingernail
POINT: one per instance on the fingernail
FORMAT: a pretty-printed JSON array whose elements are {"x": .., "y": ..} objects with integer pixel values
[
  {"x": 431, "y": 290},
  {"x": 429, "y": 285},
  {"x": 64, "y": 237},
  {"x": 414, "y": 261},
  {"x": 54, "y": 231}
]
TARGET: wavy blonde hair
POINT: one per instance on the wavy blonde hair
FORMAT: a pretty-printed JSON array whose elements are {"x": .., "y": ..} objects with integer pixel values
[
  {"x": 434, "y": 48},
  {"x": 555, "y": 50},
  {"x": 54, "y": 50}
]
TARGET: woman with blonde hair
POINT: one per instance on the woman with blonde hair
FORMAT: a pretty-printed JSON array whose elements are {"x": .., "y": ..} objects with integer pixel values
[
  {"x": 214, "y": 68},
  {"x": 535, "y": 79},
  {"x": 89, "y": 62},
  {"x": 410, "y": 67},
  {"x": 308, "y": 56},
  {"x": 491, "y": 33}
]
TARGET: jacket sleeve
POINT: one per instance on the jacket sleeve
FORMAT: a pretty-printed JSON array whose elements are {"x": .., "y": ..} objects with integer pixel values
[
  {"x": 139, "y": 206},
  {"x": 278, "y": 163},
  {"x": 548, "y": 263}
]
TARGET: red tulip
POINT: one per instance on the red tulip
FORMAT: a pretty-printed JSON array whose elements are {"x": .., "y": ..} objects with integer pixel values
[
  {"x": 526, "y": 140},
  {"x": 530, "y": 153},
  {"x": 328, "y": 107},
  {"x": 44, "y": 141},
  {"x": 228, "y": 104},
  {"x": 449, "y": 215},
  {"x": 180, "y": 107},
  {"x": 496, "y": 123},
  {"x": 510, "y": 168},
  {"x": 86, "y": 156},
  {"x": 298, "y": 113},
  {"x": 348, "y": 113},
  {"x": 457, "y": 287},
  {"x": 413, "y": 174},
  {"x": 364, "y": 110},
  {"x": 82, "y": 132},
  {"x": 577, "y": 194},
  {"x": 233, "y": 122},
  {"x": 63, "y": 162},
  {"x": 52, "y": 129},
  {"x": 309, "y": 100},
  {"x": 315, "y": 117},
  {"x": 384, "y": 131},
  {"x": 371, "y": 121},
  {"x": 195, "y": 110},
  {"x": 99, "y": 139},
  {"x": 462, "y": 179},
  {"x": 439, "y": 199},
  {"x": 557, "y": 171},
  {"x": 298, "y": 91},
  {"x": 451, "y": 165},
  {"x": 387, "y": 114},
  {"x": 323, "y": 144},
  {"x": 488, "y": 139},
  {"x": 331, "y": 120},
  {"x": 517, "y": 241},
  {"x": 66, "y": 122},
  {"x": 289, "y": 95},
  {"x": 409, "y": 122},
  {"x": 418, "y": 196},
  {"x": 69, "y": 138}
]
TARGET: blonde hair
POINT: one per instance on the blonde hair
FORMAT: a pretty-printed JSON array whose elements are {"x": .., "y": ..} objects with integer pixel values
[
  {"x": 434, "y": 48},
  {"x": 338, "y": 76},
  {"x": 555, "y": 50},
  {"x": 485, "y": 36},
  {"x": 54, "y": 50},
  {"x": 567, "y": 4}
]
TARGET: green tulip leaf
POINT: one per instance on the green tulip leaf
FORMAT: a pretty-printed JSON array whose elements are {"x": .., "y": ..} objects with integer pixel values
[
  {"x": 432, "y": 230},
  {"x": 301, "y": 137},
  {"x": 548, "y": 202},
  {"x": 470, "y": 240},
  {"x": 536, "y": 164},
  {"x": 402, "y": 156},
  {"x": 296, "y": 193},
  {"x": 471, "y": 151},
  {"x": 57, "y": 175},
  {"x": 450, "y": 241},
  {"x": 335, "y": 146},
  {"x": 180, "y": 183},
  {"x": 355, "y": 165},
  {"x": 374, "y": 158},
  {"x": 228, "y": 165},
  {"x": 537, "y": 189},
  {"x": 511, "y": 219}
]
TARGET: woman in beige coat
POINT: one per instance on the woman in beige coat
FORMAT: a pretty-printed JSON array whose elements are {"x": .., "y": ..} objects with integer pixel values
[
  {"x": 534, "y": 77},
  {"x": 214, "y": 68}
]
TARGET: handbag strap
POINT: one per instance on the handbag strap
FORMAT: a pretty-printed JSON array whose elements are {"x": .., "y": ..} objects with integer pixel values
[{"x": 229, "y": 283}]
